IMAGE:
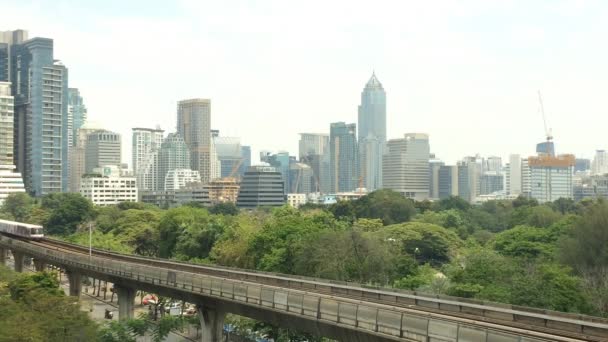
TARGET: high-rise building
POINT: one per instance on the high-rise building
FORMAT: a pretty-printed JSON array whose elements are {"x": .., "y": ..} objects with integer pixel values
[
  {"x": 103, "y": 149},
  {"x": 314, "y": 151},
  {"x": 7, "y": 112},
  {"x": 447, "y": 181},
  {"x": 229, "y": 153},
  {"x": 10, "y": 181},
  {"x": 300, "y": 179},
  {"x": 551, "y": 177},
  {"x": 469, "y": 181},
  {"x": 513, "y": 179},
  {"x": 372, "y": 132},
  {"x": 434, "y": 167},
  {"x": 491, "y": 182},
  {"x": 312, "y": 144},
  {"x": 280, "y": 161},
  {"x": 262, "y": 186},
  {"x": 146, "y": 143},
  {"x": 546, "y": 148},
  {"x": 77, "y": 115},
  {"x": 40, "y": 87},
  {"x": 246, "y": 155},
  {"x": 343, "y": 157},
  {"x": 194, "y": 125},
  {"x": 173, "y": 154},
  {"x": 406, "y": 166},
  {"x": 582, "y": 164},
  {"x": 599, "y": 166},
  {"x": 77, "y": 156},
  {"x": 492, "y": 164},
  {"x": 8, "y": 40}
]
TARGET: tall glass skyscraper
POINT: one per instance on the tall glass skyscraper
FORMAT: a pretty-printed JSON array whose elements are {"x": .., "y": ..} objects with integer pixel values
[
  {"x": 77, "y": 115},
  {"x": 194, "y": 125},
  {"x": 343, "y": 157},
  {"x": 372, "y": 133}
]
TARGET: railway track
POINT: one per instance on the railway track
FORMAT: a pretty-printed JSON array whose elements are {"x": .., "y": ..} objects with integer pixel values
[{"x": 534, "y": 322}]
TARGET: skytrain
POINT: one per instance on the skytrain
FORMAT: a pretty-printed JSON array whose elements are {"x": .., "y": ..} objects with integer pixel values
[{"x": 25, "y": 230}]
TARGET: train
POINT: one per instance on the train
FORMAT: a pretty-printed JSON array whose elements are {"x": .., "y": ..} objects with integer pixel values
[{"x": 24, "y": 230}]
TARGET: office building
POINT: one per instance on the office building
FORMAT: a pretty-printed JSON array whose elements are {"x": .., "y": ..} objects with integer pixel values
[
  {"x": 77, "y": 155},
  {"x": 105, "y": 186},
  {"x": 77, "y": 114},
  {"x": 173, "y": 154},
  {"x": 517, "y": 177},
  {"x": 551, "y": 177},
  {"x": 194, "y": 126},
  {"x": 40, "y": 88},
  {"x": 469, "y": 181},
  {"x": 581, "y": 164},
  {"x": 434, "y": 167},
  {"x": 591, "y": 187},
  {"x": 343, "y": 157},
  {"x": 301, "y": 179},
  {"x": 103, "y": 148},
  {"x": 146, "y": 143},
  {"x": 406, "y": 166},
  {"x": 262, "y": 186},
  {"x": 225, "y": 190},
  {"x": 546, "y": 148},
  {"x": 314, "y": 151},
  {"x": 492, "y": 164},
  {"x": 447, "y": 181},
  {"x": 280, "y": 161},
  {"x": 491, "y": 182},
  {"x": 599, "y": 166},
  {"x": 179, "y": 178},
  {"x": 7, "y": 112},
  {"x": 246, "y": 155},
  {"x": 10, "y": 182},
  {"x": 162, "y": 199},
  {"x": 372, "y": 132},
  {"x": 230, "y": 156}
]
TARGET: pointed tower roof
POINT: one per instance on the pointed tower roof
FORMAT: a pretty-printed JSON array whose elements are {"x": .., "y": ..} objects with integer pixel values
[{"x": 373, "y": 82}]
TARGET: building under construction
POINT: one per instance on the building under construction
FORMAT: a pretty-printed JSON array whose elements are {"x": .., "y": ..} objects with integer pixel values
[{"x": 551, "y": 177}]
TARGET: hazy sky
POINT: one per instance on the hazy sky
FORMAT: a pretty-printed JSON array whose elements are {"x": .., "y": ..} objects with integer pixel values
[{"x": 465, "y": 72}]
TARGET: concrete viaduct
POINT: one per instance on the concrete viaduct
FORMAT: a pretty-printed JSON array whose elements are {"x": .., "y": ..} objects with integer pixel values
[{"x": 337, "y": 310}]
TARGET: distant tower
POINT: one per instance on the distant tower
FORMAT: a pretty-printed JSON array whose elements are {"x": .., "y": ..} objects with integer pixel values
[
  {"x": 343, "y": 157},
  {"x": 372, "y": 133},
  {"x": 194, "y": 125}
]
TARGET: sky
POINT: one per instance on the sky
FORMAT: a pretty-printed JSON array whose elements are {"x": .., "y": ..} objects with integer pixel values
[{"x": 465, "y": 72}]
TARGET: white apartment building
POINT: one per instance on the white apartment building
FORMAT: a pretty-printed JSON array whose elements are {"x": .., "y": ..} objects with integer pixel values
[
  {"x": 178, "y": 178},
  {"x": 146, "y": 143},
  {"x": 106, "y": 187},
  {"x": 405, "y": 166}
]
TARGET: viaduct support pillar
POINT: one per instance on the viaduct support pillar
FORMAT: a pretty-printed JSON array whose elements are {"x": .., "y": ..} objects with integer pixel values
[
  {"x": 2, "y": 256},
  {"x": 212, "y": 323},
  {"x": 75, "y": 280},
  {"x": 18, "y": 257},
  {"x": 39, "y": 265},
  {"x": 126, "y": 297}
]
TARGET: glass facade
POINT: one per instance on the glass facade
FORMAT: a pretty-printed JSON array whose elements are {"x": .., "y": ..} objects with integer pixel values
[
  {"x": 372, "y": 133},
  {"x": 343, "y": 157}
]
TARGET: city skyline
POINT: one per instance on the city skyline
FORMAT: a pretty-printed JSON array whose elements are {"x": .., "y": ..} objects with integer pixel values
[{"x": 443, "y": 76}]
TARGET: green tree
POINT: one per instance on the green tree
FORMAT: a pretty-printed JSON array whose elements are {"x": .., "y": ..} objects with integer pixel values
[
  {"x": 173, "y": 224},
  {"x": 427, "y": 243},
  {"x": 387, "y": 205},
  {"x": 542, "y": 216},
  {"x": 67, "y": 212},
  {"x": 452, "y": 202},
  {"x": 18, "y": 205},
  {"x": 231, "y": 249},
  {"x": 226, "y": 208},
  {"x": 525, "y": 241}
]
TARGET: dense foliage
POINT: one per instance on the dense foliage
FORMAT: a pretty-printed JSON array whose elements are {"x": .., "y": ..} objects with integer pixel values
[
  {"x": 552, "y": 256},
  {"x": 35, "y": 309}
]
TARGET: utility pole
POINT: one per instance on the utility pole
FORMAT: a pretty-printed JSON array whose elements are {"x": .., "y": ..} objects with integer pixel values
[{"x": 90, "y": 240}]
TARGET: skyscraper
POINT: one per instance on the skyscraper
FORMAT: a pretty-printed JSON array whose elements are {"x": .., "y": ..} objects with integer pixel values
[
  {"x": 77, "y": 114},
  {"x": 103, "y": 149},
  {"x": 6, "y": 124},
  {"x": 599, "y": 165},
  {"x": 314, "y": 151},
  {"x": 78, "y": 156},
  {"x": 229, "y": 155},
  {"x": 40, "y": 87},
  {"x": 173, "y": 154},
  {"x": 372, "y": 133},
  {"x": 406, "y": 166},
  {"x": 551, "y": 177},
  {"x": 343, "y": 154},
  {"x": 194, "y": 126},
  {"x": 146, "y": 143}
]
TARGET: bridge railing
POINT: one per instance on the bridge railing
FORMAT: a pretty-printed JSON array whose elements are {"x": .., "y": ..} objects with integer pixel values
[
  {"x": 384, "y": 320},
  {"x": 391, "y": 296}
]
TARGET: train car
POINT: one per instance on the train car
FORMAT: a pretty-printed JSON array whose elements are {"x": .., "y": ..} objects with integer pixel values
[{"x": 25, "y": 230}]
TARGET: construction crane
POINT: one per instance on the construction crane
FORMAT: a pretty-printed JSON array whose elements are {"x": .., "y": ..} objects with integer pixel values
[{"x": 548, "y": 132}]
